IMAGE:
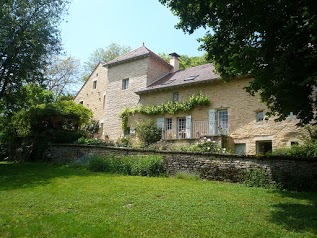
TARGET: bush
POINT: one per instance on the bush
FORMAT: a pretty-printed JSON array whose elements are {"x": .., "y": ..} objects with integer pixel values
[
  {"x": 126, "y": 165},
  {"x": 148, "y": 133},
  {"x": 258, "y": 178},
  {"x": 87, "y": 141},
  {"x": 124, "y": 142}
]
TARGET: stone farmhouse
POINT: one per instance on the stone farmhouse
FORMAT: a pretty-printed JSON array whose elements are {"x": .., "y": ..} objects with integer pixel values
[{"x": 141, "y": 77}]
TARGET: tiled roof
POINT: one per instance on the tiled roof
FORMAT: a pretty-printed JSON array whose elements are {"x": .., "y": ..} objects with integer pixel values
[
  {"x": 198, "y": 74},
  {"x": 135, "y": 54}
]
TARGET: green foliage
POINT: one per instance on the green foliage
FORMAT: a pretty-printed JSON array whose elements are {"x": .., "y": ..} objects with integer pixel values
[
  {"x": 258, "y": 178},
  {"x": 166, "y": 107},
  {"x": 124, "y": 141},
  {"x": 203, "y": 145},
  {"x": 29, "y": 35},
  {"x": 89, "y": 141},
  {"x": 147, "y": 132},
  {"x": 187, "y": 61},
  {"x": 92, "y": 128},
  {"x": 274, "y": 42},
  {"x": 61, "y": 122},
  {"x": 128, "y": 165}
]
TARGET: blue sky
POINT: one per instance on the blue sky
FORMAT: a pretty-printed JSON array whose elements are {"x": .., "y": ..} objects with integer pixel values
[{"x": 97, "y": 23}]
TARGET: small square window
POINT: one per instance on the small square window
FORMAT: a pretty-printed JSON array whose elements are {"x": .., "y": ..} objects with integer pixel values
[
  {"x": 125, "y": 84},
  {"x": 175, "y": 97},
  {"x": 94, "y": 84},
  {"x": 259, "y": 116}
]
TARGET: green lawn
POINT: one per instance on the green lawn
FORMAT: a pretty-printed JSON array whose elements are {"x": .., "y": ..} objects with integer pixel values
[{"x": 41, "y": 200}]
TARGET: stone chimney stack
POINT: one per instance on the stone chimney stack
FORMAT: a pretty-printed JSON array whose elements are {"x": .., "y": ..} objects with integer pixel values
[{"x": 174, "y": 61}]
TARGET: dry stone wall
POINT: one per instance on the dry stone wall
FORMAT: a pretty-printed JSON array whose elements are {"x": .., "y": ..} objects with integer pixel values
[{"x": 212, "y": 167}]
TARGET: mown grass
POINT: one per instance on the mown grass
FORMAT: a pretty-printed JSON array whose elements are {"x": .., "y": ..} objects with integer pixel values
[{"x": 41, "y": 200}]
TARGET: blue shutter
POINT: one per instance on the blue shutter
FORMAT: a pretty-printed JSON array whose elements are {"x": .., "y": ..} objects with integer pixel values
[{"x": 212, "y": 122}]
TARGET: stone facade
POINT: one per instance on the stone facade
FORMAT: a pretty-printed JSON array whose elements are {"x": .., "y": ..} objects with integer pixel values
[{"x": 143, "y": 78}]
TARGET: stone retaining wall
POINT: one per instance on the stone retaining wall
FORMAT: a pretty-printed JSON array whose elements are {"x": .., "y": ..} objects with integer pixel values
[{"x": 212, "y": 167}]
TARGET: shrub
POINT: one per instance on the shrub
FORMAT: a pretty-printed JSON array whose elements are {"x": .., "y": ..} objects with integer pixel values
[
  {"x": 124, "y": 142},
  {"x": 258, "y": 178},
  {"x": 87, "y": 141},
  {"x": 147, "y": 132},
  {"x": 126, "y": 165}
]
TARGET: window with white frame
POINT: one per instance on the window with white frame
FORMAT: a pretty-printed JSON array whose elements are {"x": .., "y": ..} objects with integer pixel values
[
  {"x": 125, "y": 84},
  {"x": 168, "y": 123},
  {"x": 181, "y": 127},
  {"x": 222, "y": 121}
]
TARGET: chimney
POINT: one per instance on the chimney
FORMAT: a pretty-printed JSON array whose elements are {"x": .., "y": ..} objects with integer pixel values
[{"x": 174, "y": 61}]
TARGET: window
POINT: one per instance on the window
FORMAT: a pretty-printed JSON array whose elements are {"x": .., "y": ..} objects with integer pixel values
[
  {"x": 240, "y": 149},
  {"x": 259, "y": 116},
  {"x": 263, "y": 147},
  {"x": 169, "y": 123},
  {"x": 181, "y": 128},
  {"x": 94, "y": 84},
  {"x": 125, "y": 84},
  {"x": 81, "y": 102},
  {"x": 175, "y": 97},
  {"x": 222, "y": 122}
]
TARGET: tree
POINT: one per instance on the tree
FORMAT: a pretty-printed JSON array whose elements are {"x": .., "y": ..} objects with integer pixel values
[
  {"x": 29, "y": 34},
  {"x": 187, "y": 61},
  {"x": 274, "y": 42},
  {"x": 62, "y": 75},
  {"x": 111, "y": 52}
]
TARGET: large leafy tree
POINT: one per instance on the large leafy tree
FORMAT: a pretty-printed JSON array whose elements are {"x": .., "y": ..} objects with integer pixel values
[
  {"x": 110, "y": 52},
  {"x": 62, "y": 75},
  {"x": 273, "y": 41},
  {"x": 29, "y": 34}
]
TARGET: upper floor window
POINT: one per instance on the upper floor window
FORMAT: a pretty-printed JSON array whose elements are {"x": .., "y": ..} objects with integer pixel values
[
  {"x": 125, "y": 84},
  {"x": 175, "y": 97},
  {"x": 94, "y": 84},
  {"x": 259, "y": 116}
]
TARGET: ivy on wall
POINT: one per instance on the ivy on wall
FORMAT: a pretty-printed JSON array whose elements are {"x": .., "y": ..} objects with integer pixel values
[{"x": 167, "y": 107}]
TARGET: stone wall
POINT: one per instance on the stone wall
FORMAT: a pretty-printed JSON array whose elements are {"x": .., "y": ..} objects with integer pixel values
[
  {"x": 212, "y": 167},
  {"x": 242, "y": 109}
]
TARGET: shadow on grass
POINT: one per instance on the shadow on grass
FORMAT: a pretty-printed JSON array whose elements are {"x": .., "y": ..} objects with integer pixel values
[
  {"x": 14, "y": 176},
  {"x": 298, "y": 213}
]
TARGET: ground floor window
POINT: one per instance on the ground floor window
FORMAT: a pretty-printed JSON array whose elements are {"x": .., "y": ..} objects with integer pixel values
[
  {"x": 263, "y": 147},
  {"x": 181, "y": 128},
  {"x": 169, "y": 123},
  {"x": 240, "y": 149}
]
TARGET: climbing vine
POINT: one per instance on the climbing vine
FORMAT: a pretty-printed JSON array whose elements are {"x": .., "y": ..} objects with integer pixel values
[{"x": 166, "y": 107}]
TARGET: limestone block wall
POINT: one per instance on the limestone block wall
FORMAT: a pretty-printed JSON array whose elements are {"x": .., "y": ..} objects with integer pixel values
[
  {"x": 118, "y": 98},
  {"x": 242, "y": 109},
  {"x": 156, "y": 69},
  {"x": 92, "y": 98}
]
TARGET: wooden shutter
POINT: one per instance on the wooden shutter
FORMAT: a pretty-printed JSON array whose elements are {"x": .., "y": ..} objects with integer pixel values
[
  {"x": 212, "y": 122},
  {"x": 188, "y": 126}
]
